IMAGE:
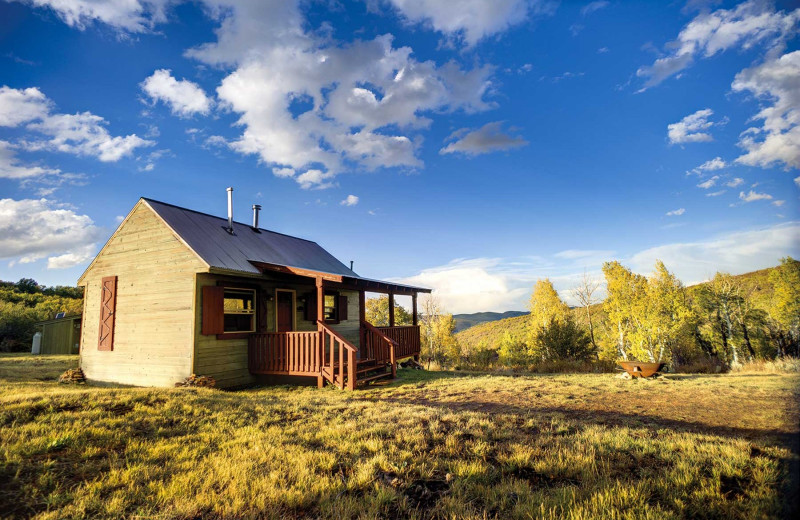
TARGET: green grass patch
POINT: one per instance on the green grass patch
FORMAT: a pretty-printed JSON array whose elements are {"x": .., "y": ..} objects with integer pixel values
[{"x": 429, "y": 445}]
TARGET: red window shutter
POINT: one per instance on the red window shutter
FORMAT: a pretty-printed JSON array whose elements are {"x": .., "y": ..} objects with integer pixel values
[
  {"x": 311, "y": 308},
  {"x": 108, "y": 307},
  {"x": 213, "y": 310},
  {"x": 342, "y": 308},
  {"x": 261, "y": 312}
]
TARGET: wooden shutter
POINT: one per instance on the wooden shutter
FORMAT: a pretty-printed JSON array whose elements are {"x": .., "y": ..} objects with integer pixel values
[
  {"x": 311, "y": 308},
  {"x": 213, "y": 310},
  {"x": 261, "y": 312},
  {"x": 108, "y": 307},
  {"x": 342, "y": 308}
]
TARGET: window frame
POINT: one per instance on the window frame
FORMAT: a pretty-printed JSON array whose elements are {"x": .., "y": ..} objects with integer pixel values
[{"x": 234, "y": 334}]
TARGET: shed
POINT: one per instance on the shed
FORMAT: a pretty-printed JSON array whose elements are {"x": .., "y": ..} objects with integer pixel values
[{"x": 60, "y": 335}]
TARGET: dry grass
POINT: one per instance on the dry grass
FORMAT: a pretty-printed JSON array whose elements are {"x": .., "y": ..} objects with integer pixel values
[
  {"x": 779, "y": 366},
  {"x": 431, "y": 445}
]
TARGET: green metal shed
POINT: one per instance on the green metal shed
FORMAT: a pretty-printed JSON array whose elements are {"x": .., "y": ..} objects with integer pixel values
[{"x": 61, "y": 335}]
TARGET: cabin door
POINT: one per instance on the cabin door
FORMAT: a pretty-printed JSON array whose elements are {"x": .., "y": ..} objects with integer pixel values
[{"x": 285, "y": 310}]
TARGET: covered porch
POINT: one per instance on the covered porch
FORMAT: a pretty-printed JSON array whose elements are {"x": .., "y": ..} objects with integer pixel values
[{"x": 325, "y": 353}]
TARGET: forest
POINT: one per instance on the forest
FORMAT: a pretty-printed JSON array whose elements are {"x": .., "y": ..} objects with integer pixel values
[
  {"x": 25, "y": 302},
  {"x": 709, "y": 327}
]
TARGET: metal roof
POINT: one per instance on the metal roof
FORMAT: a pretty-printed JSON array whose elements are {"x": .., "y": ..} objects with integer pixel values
[{"x": 208, "y": 236}]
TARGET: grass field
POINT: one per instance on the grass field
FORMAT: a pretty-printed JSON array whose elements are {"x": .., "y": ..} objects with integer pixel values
[{"x": 430, "y": 445}]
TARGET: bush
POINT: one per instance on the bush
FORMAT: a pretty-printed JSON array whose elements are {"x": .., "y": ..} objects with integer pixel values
[
  {"x": 564, "y": 340},
  {"x": 787, "y": 365}
]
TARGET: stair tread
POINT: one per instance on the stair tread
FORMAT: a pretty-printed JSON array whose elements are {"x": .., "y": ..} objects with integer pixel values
[{"x": 373, "y": 378}]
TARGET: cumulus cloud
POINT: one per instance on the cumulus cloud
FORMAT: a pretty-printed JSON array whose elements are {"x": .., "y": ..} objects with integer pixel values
[
  {"x": 501, "y": 284},
  {"x": 716, "y": 193},
  {"x": 752, "y": 196},
  {"x": 134, "y": 16},
  {"x": 34, "y": 229},
  {"x": 736, "y": 181},
  {"x": 350, "y": 200},
  {"x": 12, "y": 168},
  {"x": 19, "y": 106},
  {"x": 692, "y": 128},
  {"x": 315, "y": 179},
  {"x": 486, "y": 139},
  {"x": 80, "y": 134},
  {"x": 717, "y": 163},
  {"x": 750, "y": 23},
  {"x": 797, "y": 181},
  {"x": 676, "y": 212},
  {"x": 709, "y": 183},
  {"x": 777, "y": 84},
  {"x": 469, "y": 21},
  {"x": 185, "y": 98}
]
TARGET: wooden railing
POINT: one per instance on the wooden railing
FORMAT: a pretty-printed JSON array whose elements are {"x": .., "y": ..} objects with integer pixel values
[
  {"x": 406, "y": 337},
  {"x": 339, "y": 358},
  {"x": 293, "y": 353},
  {"x": 379, "y": 347}
]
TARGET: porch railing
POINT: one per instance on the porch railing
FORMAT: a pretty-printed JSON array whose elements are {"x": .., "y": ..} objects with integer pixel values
[
  {"x": 406, "y": 337},
  {"x": 295, "y": 353},
  {"x": 378, "y": 346},
  {"x": 340, "y": 358}
]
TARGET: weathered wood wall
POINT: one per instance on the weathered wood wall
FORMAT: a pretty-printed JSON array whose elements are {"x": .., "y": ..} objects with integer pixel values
[
  {"x": 60, "y": 337},
  {"x": 153, "y": 336}
]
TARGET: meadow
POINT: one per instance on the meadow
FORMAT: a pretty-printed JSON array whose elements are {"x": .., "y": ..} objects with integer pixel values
[{"x": 428, "y": 445}]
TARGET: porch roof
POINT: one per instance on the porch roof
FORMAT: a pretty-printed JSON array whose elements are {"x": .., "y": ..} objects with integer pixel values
[{"x": 254, "y": 251}]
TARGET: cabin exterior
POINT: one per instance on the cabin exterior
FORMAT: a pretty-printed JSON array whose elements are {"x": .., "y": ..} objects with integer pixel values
[{"x": 175, "y": 292}]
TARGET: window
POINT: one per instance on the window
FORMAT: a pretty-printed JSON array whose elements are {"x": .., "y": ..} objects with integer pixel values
[
  {"x": 240, "y": 310},
  {"x": 331, "y": 307}
]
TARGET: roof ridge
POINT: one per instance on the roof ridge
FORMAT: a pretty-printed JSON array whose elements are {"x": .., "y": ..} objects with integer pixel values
[{"x": 148, "y": 199}]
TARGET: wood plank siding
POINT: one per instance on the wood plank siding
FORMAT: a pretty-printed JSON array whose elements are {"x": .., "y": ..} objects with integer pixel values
[{"x": 153, "y": 316}]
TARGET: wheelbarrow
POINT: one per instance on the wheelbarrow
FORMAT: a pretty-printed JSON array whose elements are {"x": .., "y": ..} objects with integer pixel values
[{"x": 641, "y": 369}]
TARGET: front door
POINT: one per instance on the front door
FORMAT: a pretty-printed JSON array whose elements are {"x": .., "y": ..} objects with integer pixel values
[{"x": 285, "y": 311}]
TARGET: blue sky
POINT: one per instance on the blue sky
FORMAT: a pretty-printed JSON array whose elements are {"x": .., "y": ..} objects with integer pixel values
[{"x": 471, "y": 148}]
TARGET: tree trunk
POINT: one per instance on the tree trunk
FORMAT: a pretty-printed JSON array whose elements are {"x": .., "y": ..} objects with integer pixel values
[
  {"x": 747, "y": 342},
  {"x": 621, "y": 344}
]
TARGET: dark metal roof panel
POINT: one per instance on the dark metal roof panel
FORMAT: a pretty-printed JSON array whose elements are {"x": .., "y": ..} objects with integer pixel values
[{"x": 207, "y": 235}]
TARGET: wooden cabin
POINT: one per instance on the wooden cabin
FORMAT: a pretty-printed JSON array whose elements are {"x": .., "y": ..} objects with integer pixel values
[{"x": 176, "y": 292}]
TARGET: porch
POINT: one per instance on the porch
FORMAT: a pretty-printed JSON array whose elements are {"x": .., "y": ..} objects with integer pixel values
[{"x": 326, "y": 353}]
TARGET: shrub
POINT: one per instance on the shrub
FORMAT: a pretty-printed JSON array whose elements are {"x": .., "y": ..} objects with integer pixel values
[{"x": 564, "y": 340}]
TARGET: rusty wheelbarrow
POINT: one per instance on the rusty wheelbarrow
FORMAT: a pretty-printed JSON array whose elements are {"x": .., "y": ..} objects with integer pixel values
[{"x": 641, "y": 369}]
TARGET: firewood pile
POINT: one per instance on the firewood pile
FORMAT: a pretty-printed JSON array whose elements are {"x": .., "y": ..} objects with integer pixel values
[
  {"x": 73, "y": 376},
  {"x": 195, "y": 380}
]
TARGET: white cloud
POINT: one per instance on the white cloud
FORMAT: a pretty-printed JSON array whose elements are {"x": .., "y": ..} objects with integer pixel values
[
  {"x": 797, "y": 181},
  {"x": 748, "y": 24},
  {"x": 34, "y": 229},
  {"x": 501, "y": 284},
  {"x": 185, "y": 98},
  {"x": 486, "y": 139},
  {"x": 83, "y": 134},
  {"x": 736, "y": 181},
  {"x": 717, "y": 163},
  {"x": 12, "y": 168},
  {"x": 583, "y": 254},
  {"x": 469, "y": 20},
  {"x": 716, "y": 193},
  {"x": 283, "y": 172},
  {"x": 129, "y": 15},
  {"x": 350, "y": 200},
  {"x": 676, "y": 212},
  {"x": 19, "y": 106},
  {"x": 753, "y": 196},
  {"x": 315, "y": 179},
  {"x": 709, "y": 183},
  {"x": 692, "y": 128},
  {"x": 778, "y": 203},
  {"x": 593, "y": 6},
  {"x": 776, "y": 82}
]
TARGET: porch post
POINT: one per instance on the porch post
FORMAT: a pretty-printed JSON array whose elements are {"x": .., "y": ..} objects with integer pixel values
[
  {"x": 362, "y": 317},
  {"x": 320, "y": 313},
  {"x": 391, "y": 309},
  {"x": 320, "y": 302},
  {"x": 414, "y": 309}
]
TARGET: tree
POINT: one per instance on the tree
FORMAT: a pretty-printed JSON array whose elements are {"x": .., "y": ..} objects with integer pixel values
[
  {"x": 566, "y": 340},
  {"x": 584, "y": 292},
  {"x": 377, "y": 312},
  {"x": 513, "y": 352},
  {"x": 623, "y": 288},
  {"x": 437, "y": 333},
  {"x": 785, "y": 304},
  {"x": 28, "y": 285},
  {"x": 546, "y": 308}
]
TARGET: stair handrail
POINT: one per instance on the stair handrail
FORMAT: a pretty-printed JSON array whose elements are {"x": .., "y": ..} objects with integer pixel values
[
  {"x": 352, "y": 353},
  {"x": 389, "y": 341}
]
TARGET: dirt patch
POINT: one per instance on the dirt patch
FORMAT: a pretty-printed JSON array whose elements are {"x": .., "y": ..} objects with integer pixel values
[
  {"x": 423, "y": 494},
  {"x": 540, "y": 480}
]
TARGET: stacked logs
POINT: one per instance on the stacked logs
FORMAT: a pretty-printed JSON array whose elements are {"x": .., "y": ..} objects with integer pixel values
[
  {"x": 72, "y": 376},
  {"x": 195, "y": 380}
]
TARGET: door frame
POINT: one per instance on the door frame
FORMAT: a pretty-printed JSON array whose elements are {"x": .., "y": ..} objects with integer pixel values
[{"x": 294, "y": 307}]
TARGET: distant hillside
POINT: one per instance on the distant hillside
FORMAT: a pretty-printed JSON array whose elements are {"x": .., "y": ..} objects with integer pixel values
[
  {"x": 465, "y": 321},
  {"x": 517, "y": 325}
]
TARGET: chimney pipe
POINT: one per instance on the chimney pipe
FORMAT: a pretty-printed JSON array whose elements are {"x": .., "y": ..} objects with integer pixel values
[
  {"x": 256, "y": 209},
  {"x": 351, "y": 265},
  {"x": 230, "y": 210}
]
